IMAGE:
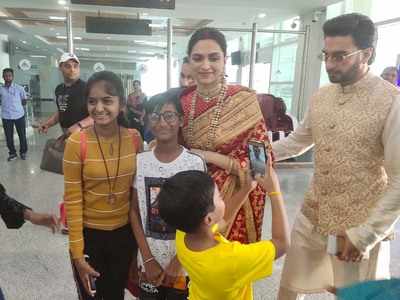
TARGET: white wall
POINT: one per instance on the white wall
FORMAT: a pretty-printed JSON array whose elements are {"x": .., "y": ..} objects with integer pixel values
[
  {"x": 4, "y": 57},
  {"x": 312, "y": 70}
]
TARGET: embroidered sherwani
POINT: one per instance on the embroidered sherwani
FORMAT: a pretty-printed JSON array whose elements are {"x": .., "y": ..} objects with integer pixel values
[{"x": 355, "y": 131}]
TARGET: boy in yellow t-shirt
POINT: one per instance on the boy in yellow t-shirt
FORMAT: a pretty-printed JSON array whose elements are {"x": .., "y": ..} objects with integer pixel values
[{"x": 217, "y": 268}]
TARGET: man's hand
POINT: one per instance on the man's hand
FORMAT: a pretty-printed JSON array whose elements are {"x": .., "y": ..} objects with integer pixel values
[
  {"x": 47, "y": 220},
  {"x": 43, "y": 128},
  {"x": 349, "y": 252}
]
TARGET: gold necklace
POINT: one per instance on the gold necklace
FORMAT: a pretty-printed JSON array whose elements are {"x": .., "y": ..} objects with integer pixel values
[
  {"x": 214, "y": 121},
  {"x": 210, "y": 94}
]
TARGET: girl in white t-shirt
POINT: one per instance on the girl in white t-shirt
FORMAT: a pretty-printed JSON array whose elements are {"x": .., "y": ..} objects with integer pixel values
[{"x": 161, "y": 275}]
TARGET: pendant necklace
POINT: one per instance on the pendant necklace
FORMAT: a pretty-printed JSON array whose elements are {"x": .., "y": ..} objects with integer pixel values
[{"x": 111, "y": 187}]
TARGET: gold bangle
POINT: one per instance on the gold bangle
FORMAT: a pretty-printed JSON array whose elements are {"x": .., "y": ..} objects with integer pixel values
[
  {"x": 148, "y": 260},
  {"x": 274, "y": 194},
  {"x": 230, "y": 165}
]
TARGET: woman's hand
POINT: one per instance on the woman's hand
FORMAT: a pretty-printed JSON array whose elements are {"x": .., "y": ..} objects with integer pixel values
[
  {"x": 154, "y": 272},
  {"x": 84, "y": 271},
  {"x": 172, "y": 272},
  {"x": 47, "y": 220},
  {"x": 269, "y": 181}
]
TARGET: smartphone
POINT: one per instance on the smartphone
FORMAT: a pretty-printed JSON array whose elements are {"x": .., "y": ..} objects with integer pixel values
[
  {"x": 257, "y": 157},
  {"x": 92, "y": 284},
  {"x": 332, "y": 247},
  {"x": 92, "y": 279},
  {"x": 335, "y": 244}
]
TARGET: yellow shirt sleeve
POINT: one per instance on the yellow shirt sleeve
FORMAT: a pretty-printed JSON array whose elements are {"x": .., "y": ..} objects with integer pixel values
[
  {"x": 73, "y": 194},
  {"x": 253, "y": 261}
]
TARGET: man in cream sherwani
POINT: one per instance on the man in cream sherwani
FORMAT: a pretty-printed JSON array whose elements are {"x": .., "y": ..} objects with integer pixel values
[{"x": 354, "y": 126}]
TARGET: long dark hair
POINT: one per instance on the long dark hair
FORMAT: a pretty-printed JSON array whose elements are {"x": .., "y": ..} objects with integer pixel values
[{"x": 113, "y": 86}]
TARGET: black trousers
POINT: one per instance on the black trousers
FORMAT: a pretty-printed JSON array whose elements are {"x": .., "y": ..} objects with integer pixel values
[
  {"x": 8, "y": 126},
  {"x": 110, "y": 253}
]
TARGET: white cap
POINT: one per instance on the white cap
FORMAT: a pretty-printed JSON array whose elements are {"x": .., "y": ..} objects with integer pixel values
[{"x": 66, "y": 57}]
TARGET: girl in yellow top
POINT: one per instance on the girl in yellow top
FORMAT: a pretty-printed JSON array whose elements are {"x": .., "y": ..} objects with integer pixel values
[{"x": 99, "y": 165}]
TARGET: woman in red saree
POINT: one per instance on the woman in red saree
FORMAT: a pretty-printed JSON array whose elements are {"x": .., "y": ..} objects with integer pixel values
[{"x": 219, "y": 120}]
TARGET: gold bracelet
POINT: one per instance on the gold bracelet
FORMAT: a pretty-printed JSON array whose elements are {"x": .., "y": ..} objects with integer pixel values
[{"x": 274, "y": 194}]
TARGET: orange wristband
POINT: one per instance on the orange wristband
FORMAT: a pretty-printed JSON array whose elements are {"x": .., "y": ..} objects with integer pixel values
[{"x": 274, "y": 194}]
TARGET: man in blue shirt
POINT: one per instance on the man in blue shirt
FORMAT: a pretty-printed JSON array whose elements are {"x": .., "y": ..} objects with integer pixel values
[{"x": 13, "y": 98}]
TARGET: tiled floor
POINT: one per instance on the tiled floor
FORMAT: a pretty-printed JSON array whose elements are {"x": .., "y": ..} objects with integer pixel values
[{"x": 34, "y": 264}]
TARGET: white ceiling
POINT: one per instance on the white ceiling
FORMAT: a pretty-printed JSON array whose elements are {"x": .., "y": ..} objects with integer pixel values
[{"x": 192, "y": 13}]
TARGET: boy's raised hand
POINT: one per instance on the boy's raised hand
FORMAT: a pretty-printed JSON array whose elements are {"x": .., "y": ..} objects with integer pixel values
[
  {"x": 270, "y": 181},
  {"x": 249, "y": 183}
]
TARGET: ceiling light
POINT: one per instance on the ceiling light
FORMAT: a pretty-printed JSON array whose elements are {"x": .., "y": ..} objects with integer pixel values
[
  {"x": 131, "y": 51},
  {"x": 145, "y": 14},
  {"x": 83, "y": 49},
  {"x": 57, "y": 18},
  {"x": 108, "y": 38},
  {"x": 38, "y": 56},
  {"x": 24, "y": 42},
  {"x": 157, "y": 25},
  {"x": 63, "y": 37},
  {"x": 262, "y": 15},
  {"x": 62, "y": 2},
  {"x": 51, "y": 28}
]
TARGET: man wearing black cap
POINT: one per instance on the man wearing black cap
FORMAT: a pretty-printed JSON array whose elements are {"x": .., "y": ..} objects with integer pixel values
[{"x": 72, "y": 111}]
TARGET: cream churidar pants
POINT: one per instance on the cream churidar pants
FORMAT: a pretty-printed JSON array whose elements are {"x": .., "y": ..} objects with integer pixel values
[{"x": 310, "y": 269}]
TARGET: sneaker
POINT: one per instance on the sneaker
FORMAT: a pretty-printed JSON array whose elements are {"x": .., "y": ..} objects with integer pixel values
[
  {"x": 12, "y": 157},
  {"x": 23, "y": 156}
]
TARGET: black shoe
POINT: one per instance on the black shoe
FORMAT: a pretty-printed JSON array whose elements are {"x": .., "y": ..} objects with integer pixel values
[
  {"x": 23, "y": 156},
  {"x": 12, "y": 157}
]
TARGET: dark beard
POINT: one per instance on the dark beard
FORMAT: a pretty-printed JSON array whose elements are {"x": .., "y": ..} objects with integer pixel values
[{"x": 344, "y": 78}]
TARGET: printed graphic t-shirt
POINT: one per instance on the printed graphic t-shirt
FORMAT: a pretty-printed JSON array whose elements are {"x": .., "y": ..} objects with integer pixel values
[
  {"x": 151, "y": 173},
  {"x": 71, "y": 103}
]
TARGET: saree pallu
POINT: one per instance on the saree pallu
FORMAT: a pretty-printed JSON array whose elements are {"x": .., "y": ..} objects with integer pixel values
[{"x": 241, "y": 120}]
